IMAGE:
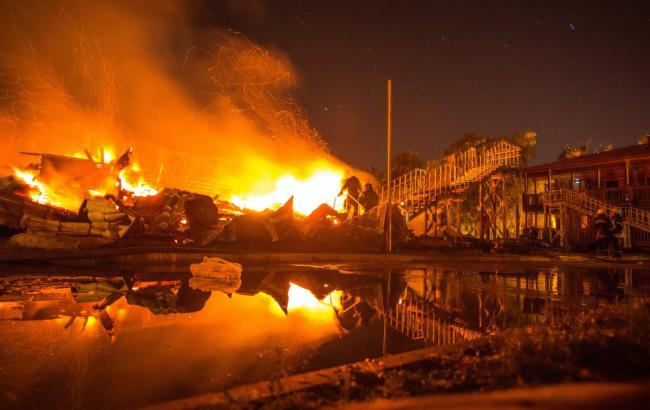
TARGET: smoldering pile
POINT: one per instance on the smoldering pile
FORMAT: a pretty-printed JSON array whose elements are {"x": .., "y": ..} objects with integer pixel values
[{"x": 169, "y": 218}]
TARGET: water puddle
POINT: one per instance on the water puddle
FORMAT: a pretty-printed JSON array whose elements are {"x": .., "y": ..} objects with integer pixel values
[{"x": 131, "y": 340}]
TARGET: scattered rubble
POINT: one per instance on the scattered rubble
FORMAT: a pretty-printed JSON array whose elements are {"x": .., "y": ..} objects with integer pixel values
[{"x": 172, "y": 217}]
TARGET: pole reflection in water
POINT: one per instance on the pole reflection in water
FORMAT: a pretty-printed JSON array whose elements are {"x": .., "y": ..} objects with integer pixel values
[{"x": 384, "y": 345}]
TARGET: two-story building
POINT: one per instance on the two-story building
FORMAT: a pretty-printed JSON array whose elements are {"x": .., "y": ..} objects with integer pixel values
[{"x": 561, "y": 198}]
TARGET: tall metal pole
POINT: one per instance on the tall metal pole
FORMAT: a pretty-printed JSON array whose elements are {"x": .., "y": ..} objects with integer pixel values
[{"x": 389, "y": 210}]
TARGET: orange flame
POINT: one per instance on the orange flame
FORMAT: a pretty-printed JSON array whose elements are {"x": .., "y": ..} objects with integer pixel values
[
  {"x": 129, "y": 181},
  {"x": 319, "y": 186},
  {"x": 38, "y": 192},
  {"x": 138, "y": 188}
]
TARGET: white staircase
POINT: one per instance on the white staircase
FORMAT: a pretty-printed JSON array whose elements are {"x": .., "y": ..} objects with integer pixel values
[
  {"x": 580, "y": 201},
  {"x": 415, "y": 190}
]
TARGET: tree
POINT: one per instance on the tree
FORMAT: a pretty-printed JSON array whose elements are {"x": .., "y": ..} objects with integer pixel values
[
  {"x": 527, "y": 141},
  {"x": 405, "y": 162},
  {"x": 468, "y": 140},
  {"x": 380, "y": 176}
]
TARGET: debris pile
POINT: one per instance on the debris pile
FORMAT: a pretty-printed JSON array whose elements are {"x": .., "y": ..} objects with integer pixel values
[{"x": 37, "y": 205}]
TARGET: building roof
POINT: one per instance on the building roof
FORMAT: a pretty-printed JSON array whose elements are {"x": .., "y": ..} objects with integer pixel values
[{"x": 633, "y": 152}]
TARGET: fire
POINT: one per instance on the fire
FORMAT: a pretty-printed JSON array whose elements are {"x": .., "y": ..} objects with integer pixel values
[
  {"x": 316, "y": 183},
  {"x": 320, "y": 186},
  {"x": 139, "y": 188},
  {"x": 106, "y": 155},
  {"x": 63, "y": 193},
  {"x": 38, "y": 192}
]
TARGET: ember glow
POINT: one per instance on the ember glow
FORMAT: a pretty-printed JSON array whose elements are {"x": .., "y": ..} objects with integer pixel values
[
  {"x": 225, "y": 125},
  {"x": 37, "y": 192},
  {"x": 67, "y": 192},
  {"x": 135, "y": 184}
]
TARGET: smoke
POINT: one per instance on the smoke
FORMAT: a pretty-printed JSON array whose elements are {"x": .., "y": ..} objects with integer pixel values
[{"x": 199, "y": 107}]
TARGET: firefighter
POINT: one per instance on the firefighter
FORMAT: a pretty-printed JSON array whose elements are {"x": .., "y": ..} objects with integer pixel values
[
  {"x": 353, "y": 186},
  {"x": 617, "y": 231},
  {"x": 603, "y": 227},
  {"x": 369, "y": 199}
]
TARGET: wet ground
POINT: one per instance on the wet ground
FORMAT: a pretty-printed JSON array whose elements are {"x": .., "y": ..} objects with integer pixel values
[{"x": 89, "y": 339}]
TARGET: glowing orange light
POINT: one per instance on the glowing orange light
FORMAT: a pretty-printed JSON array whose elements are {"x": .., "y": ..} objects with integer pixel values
[
  {"x": 317, "y": 187},
  {"x": 137, "y": 188},
  {"x": 300, "y": 299},
  {"x": 91, "y": 322},
  {"x": 41, "y": 193},
  {"x": 128, "y": 180}
]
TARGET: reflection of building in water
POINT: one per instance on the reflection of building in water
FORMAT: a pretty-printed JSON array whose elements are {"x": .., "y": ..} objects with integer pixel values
[
  {"x": 434, "y": 306},
  {"x": 442, "y": 305},
  {"x": 418, "y": 320}
]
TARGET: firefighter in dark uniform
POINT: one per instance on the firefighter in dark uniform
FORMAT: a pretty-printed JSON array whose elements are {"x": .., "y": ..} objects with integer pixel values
[
  {"x": 353, "y": 186},
  {"x": 617, "y": 231},
  {"x": 369, "y": 199},
  {"x": 603, "y": 227}
]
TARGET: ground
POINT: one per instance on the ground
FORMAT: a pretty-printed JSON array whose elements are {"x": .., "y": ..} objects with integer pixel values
[{"x": 608, "y": 345}]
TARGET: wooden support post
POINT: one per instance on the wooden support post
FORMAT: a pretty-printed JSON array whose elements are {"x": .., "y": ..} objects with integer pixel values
[
  {"x": 598, "y": 178},
  {"x": 535, "y": 192},
  {"x": 517, "y": 195},
  {"x": 547, "y": 222},
  {"x": 480, "y": 210},
  {"x": 549, "y": 179},
  {"x": 523, "y": 205},
  {"x": 426, "y": 220},
  {"x": 436, "y": 220},
  {"x": 458, "y": 205},
  {"x": 561, "y": 226},
  {"x": 504, "y": 208},
  {"x": 628, "y": 194}
]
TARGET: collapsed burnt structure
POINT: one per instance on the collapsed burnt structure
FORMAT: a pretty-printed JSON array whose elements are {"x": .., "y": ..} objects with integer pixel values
[{"x": 114, "y": 213}]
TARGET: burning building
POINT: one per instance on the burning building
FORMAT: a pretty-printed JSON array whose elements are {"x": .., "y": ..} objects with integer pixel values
[{"x": 217, "y": 126}]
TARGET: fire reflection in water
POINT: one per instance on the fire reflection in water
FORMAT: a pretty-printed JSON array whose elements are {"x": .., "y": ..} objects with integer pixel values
[{"x": 304, "y": 302}]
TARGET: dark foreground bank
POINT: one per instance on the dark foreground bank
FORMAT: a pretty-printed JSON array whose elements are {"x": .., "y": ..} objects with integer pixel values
[{"x": 609, "y": 344}]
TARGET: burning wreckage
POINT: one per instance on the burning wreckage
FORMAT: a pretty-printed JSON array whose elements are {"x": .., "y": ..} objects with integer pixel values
[{"x": 39, "y": 205}]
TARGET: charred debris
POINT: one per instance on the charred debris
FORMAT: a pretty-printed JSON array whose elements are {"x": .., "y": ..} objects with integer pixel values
[{"x": 169, "y": 218}]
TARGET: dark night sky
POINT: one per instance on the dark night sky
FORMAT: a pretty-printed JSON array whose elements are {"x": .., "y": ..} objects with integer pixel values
[{"x": 569, "y": 71}]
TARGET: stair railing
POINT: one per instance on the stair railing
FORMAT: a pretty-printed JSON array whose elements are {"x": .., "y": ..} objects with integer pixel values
[
  {"x": 416, "y": 189},
  {"x": 638, "y": 218}
]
